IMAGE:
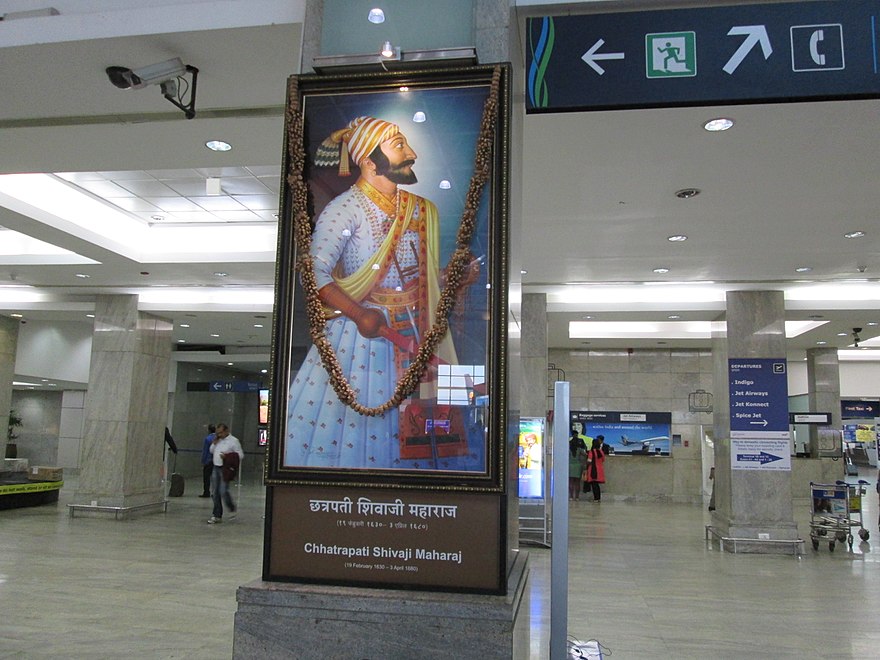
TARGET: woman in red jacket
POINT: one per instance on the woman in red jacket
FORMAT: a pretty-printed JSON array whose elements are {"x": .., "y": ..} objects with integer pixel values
[{"x": 596, "y": 466}]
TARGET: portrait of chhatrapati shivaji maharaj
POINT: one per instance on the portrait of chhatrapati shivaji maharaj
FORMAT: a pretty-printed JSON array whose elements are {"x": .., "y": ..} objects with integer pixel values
[{"x": 393, "y": 280}]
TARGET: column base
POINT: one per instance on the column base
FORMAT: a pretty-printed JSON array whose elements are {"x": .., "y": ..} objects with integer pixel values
[{"x": 283, "y": 620}]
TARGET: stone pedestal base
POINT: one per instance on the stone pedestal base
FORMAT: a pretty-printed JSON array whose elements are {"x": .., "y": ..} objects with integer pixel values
[{"x": 281, "y": 620}]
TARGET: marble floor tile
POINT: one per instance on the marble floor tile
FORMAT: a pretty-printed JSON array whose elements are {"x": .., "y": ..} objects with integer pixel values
[{"x": 642, "y": 581}]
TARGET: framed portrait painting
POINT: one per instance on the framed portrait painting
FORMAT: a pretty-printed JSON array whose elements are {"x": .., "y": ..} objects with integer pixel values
[{"x": 391, "y": 289}]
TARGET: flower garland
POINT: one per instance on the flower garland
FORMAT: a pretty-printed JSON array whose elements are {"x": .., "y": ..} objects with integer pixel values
[{"x": 458, "y": 261}]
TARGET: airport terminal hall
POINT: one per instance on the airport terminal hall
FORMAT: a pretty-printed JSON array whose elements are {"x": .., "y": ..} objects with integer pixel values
[{"x": 478, "y": 329}]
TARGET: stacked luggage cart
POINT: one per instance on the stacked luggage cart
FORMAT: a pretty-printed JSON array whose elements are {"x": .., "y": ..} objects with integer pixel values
[{"x": 834, "y": 510}]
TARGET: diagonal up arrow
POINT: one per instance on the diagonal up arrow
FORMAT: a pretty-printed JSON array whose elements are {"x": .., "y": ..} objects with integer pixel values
[{"x": 754, "y": 34}]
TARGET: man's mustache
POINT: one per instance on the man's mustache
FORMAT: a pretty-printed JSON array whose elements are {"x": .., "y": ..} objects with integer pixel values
[{"x": 404, "y": 163}]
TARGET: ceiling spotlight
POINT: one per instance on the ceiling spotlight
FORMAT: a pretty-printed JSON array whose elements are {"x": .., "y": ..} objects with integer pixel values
[
  {"x": 719, "y": 124},
  {"x": 376, "y": 16},
  {"x": 687, "y": 193},
  {"x": 164, "y": 74},
  {"x": 855, "y": 234},
  {"x": 662, "y": 270},
  {"x": 677, "y": 238},
  {"x": 802, "y": 269},
  {"x": 218, "y": 145}
]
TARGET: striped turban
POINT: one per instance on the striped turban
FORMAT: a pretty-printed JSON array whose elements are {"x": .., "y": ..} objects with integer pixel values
[{"x": 358, "y": 139}]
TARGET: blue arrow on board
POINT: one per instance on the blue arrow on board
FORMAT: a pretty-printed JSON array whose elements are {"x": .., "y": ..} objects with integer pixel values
[{"x": 761, "y": 458}]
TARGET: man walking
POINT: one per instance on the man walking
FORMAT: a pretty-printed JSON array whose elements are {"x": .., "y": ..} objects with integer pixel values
[{"x": 223, "y": 444}]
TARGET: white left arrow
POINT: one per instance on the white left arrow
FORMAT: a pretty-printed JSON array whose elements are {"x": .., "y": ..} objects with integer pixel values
[
  {"x": 591, "y": 56},
  {"x": 754, "y": 34}
]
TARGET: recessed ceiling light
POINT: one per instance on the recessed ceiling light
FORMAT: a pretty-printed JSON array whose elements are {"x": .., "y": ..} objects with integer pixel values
[
  {"x": 871, "y": 323},
  {"x": 821, "y": 343},
  {"x": 855, "y": 234},
  {"x": 184, "y": 325},
  {"x": 83, "y": 276},
  {"x": 229, "y": 364},
  {"x": 218, "y": 145},
  {"x": 842, "y": 334},
  {"x": 523, "y": 272},
  {"x": 444, "y": 185},
  {"x": 264, "y": 371},
  {"x": 258, "y": 325},
  {"x": 677, "y": 238},
  {"x": 661, "y": 270},
  {"x": 221, "y": 274},
  {"x": 18, "y": 316},
  {"x": 718, "y": 124},
  {"x": 587, "y": 317},
  {"x": 376, "y": 16},
  {"x": 90, "y": 316},
  {"x": 802, "y": 269},
  {"x": 687, "y": 193},
  {"x": 673, "y": 316},
  {"x": 181, "y": 341},
  {"x": 214, "y": 335}
]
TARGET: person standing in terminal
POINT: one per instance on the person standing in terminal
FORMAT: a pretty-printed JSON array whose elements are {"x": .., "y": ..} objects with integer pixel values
[
  {"x": 223, "y": 443},
  {"x": 207, "y": 461},
  {"x": 596, "y": 466},
  {"x": 577, "y": 461}
]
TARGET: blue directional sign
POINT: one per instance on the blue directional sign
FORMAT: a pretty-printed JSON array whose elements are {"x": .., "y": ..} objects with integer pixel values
[
  {"x": 792, "y": 51},
  {"x": 761, "y": 457},
  {"x": 758, "y": 397},
  {"x": 234, "y": 386}
]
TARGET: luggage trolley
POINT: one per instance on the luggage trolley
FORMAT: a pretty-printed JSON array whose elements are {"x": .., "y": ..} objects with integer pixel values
[{"x": 834, "y": 510}]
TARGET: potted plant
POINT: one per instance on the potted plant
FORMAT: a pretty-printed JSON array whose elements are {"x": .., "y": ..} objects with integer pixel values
[{"x": 14, "y": 422}]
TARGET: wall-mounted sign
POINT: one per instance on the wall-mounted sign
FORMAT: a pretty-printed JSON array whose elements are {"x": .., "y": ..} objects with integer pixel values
[
  {"x": 531, "y": 457},
  {"x": 747, "y": 53},
  {"x": 768, "y": 454},
  {"x": 823, "y": 419},
  {"x": 634, "y": 433},
  {"x": 758, "y": 397}
]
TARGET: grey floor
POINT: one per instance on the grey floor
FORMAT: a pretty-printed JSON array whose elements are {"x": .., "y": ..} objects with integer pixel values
[{"x": 642, "y": 581}]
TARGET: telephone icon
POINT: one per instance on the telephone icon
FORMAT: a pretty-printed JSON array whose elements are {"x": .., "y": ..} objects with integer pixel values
[{"x": 815, "y": 38}]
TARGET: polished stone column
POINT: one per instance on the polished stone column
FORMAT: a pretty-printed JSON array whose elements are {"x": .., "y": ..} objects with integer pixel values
[
  {"x": 125, "y": 410},
  {"x": 533, "y": 337},
  {"x": 8, "y": 346},
  {"x": 823, "y": 387},
  {"x": 755, "y": 505}
]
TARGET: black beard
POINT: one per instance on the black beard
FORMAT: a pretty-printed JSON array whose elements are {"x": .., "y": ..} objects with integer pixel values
[
  {"x": 400, "y": 176},
  {"x": 396, "y": 173}
]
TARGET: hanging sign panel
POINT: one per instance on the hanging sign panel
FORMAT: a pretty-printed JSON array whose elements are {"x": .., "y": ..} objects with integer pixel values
[
  {"x": 794, "y": 51},
  {"x": 758, "y": 397}
]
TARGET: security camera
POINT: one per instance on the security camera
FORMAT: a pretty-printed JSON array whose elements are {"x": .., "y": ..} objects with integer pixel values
[{"x": 153, "y": 74}]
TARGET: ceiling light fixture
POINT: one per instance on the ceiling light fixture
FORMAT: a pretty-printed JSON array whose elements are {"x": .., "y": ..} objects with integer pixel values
[
  {"x": 184, "y": 325},
  {"x": 90, "y": 316},
  {"x": 83, "y": 276},
  {"x": 214, "y": 335},
  {"x": 687, "y": 193},
  {"x": 165, "y": 74},
  {"x": 855, "y": 234},
  {"x": 17, "y": 316},
  {"x": 672, "y": 317},
  {"x": 221, "y": 274},
  {"x": 662, "y": 270},
  {"x": 376, "y": 16},
  {"x": 218, "y": 145},
  {"x": 677, "y": 238},
  {"x": 718, "y": 124},
  {"x": 803, "y": 269}
]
